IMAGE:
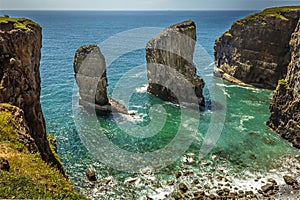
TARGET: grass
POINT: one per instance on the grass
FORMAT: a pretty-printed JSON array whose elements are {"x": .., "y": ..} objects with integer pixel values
[
  {"x": 283, "y": 83},
  {"x": 276, "y": 12},
  {"x": 29, "y": 176},
  {"x": 19, "y": 23}
]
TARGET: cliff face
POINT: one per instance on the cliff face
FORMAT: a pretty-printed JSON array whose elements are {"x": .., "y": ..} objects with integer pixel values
[
  {"x": 20, "y": 44},
  {"x": 170, "y": 67},
  {"x": 256, "y": 49},
  {"x": 90, "y": 74},
  {"x": 285, "y": 106}
]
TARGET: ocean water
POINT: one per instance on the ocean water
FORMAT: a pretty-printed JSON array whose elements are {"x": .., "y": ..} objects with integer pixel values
[{"x": 244, "y": 146}]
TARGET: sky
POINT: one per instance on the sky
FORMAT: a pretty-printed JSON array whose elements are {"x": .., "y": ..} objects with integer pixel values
[{"x": 142, "y": 4}]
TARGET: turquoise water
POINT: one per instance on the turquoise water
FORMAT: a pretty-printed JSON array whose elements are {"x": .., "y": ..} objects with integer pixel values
[{"x": 245, "y": 145}]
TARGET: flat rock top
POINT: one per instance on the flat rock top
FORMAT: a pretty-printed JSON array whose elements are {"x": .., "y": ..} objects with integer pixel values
[
  {"x": 277, "y": 12},
  {"x": 7, "y": 23}
]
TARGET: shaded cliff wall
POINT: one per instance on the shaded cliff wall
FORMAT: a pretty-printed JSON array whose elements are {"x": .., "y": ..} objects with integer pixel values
[
  {"x": 20, "y": 45},
  {"x": 256, "y": 49},
  {"x": 285, "y": 106},
  {"x": 170, "y": 56}
]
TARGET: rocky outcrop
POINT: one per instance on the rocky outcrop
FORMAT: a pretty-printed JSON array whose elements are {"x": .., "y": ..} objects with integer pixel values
[
  {"x": 170, "y": 68},
  {"x": 90, "y": 74},
  {"x": 20, "y": 45},
  {"x": 285, "y": 106},
  {"x": 16, "y": 117},
  {"x": 256, "y": 49}
]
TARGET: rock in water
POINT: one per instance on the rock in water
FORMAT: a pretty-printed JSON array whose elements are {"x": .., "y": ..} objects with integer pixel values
[
  {"x": 170, "y": 68},
  {"x": 90, "y": 175},
  {"x": 256, "y": 49},
  {"x": 20, "y": 53},
  {"x": 90, "y": 75},
  {"x": 285, "y": 106}
]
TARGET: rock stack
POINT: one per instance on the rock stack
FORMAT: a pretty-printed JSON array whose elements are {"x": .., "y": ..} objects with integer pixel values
[
  {"x": 90, "y": 74},
  {"x": 170, "y": 68}
]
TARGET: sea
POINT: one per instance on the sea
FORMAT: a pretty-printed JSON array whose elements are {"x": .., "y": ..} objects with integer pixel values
[{"x": 135, "y": 156}]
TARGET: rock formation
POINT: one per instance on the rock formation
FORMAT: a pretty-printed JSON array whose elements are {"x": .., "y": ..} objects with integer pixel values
[
  {"x": 20, "y": 45},
  {"x": 285, "y": 106},
  {"x": 90, "y": 74},
  {"x": 256, "y": 49},
  {"x": 170, "y": 68}
]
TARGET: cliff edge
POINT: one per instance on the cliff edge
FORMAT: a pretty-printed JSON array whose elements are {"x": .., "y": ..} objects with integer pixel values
[
  {"x": 255, "y": 50},
  {"x": 24, "y": 144},
  {"x": 20, "y": 45},
  {"x": 285, "y": 106}
]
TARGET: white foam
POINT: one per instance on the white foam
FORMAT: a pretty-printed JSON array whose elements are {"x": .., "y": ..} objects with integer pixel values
[{"x": 142, "y": 89}]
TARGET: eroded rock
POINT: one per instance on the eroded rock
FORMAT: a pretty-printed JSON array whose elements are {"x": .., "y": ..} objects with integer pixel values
[
  {"x": 90, "y": 74},
  {"x": 285, "y": 105},
  {"x": 170, "y": 68},
  {"x": 256, "y": 49},
  {"x": 20, "y": 53}
]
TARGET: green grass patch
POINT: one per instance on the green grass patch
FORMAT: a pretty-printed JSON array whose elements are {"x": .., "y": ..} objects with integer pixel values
[
  {"x": 276, "y": 12},
  {"x": 29, "y": 176},
  {"x": 18, "y": 23},
  {"x": 283, "y": 83}
]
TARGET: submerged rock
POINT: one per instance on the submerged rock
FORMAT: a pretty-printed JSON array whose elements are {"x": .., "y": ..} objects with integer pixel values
[
  {"x": 256, "y": 49},
  {"x": 170, "y": 68},
  {"x": 90, "y": 175},
  {"x": 90, "y": 74},
  {"x": 290, "y": 181},
  {"x": 285, "y": 105}
]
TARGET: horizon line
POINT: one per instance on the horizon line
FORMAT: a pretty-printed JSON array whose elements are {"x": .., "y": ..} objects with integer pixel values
[{"x": 128, "y": 10}]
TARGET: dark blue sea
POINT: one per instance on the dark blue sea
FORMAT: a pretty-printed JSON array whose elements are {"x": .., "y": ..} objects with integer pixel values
[{"x": 239, "y": 144}]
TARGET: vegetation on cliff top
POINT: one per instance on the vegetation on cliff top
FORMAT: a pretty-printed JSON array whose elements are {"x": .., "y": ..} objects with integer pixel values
[
  {"x": 18, "y": 23},
  {"x": 276, "y": 12},
  {"x": 29, "y": 177}
]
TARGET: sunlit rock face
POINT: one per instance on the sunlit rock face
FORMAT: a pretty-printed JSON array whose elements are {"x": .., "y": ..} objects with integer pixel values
[
  {"x": 170, "y": 68},
  {"x": 255, "y": 50}
]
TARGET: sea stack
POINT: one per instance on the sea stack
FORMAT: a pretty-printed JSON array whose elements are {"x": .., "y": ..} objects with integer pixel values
[
  {"x": 285, "y": 106},
  {"x": 256, "y": 49},
  {"x": 170, "y": 69},
  {"x": 90, "y": 74},
  {"x": 20, "y": 53}
]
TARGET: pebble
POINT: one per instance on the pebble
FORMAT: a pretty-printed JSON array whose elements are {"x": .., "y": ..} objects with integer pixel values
[
  {"x": 183, "y": 187},
  {"x": 90, "y": 175}
]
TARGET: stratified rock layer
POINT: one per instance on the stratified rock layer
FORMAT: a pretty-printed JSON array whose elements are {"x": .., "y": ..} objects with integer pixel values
[
  {"x": 90, "y": 74},
  {"x": 285, "y": 106},
  {"x": 170, "y": 68},
  {"x": 256, "y": 49},
  {"x": 20, "y": 45}
]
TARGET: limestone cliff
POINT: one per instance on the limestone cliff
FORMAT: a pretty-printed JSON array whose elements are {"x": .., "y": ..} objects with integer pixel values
[
  {"x": 285, "y": 106},
  {"x": 20, "y": 45},
  {"x": 170, "y": 68},
  {"x": 90, "y": 74},
  {"x": 256, "y": 49}
]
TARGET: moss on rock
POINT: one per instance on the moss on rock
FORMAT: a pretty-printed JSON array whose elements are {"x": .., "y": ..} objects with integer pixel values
[{"x": 29, "y": 177}]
